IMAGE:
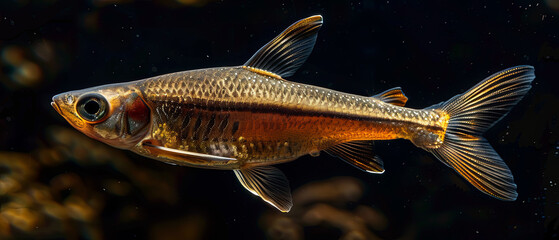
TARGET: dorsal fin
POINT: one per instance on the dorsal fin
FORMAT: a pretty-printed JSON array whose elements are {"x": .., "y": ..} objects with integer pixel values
[
  {"x": 282, "y": 56},
  {"x": 394, "y": 96},
  {"x": 358, "y": 154}
]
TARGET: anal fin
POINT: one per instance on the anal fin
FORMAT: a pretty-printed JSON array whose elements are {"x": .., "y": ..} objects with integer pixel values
[
  {"x": 269, "y": 183},
  {"x": 394, "y": 96},
  {"x": 358, "y": 154}
]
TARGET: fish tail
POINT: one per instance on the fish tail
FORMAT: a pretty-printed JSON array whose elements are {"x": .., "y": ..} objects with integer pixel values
[{"x": 470, "y": 115}]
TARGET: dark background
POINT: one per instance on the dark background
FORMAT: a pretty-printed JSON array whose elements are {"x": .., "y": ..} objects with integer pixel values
[{"x": 432, "y": 49}]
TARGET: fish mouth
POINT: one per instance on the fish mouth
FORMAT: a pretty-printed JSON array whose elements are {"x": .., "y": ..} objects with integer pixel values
[
  {"x": 60, "y": 107},
  {"x": 55, "y": 106}
]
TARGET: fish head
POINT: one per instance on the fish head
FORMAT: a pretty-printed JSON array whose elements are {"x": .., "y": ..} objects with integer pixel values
[{"x": 114, "y": 114}]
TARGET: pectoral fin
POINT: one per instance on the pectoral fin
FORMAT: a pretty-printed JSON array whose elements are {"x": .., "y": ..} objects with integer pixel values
[
  {"x": 358, "y": 154},
  {"x": 394, "y": 96},
  {"x": 186, "y": 158},
  {"x": 269, "y": 183},
  {"x": 282, "y": 56}
]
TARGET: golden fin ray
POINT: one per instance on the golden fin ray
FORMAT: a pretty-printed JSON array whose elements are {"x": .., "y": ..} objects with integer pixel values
[
  {"x": 486, "y": 103},
  {"x": 263, "y": 72},
  {"x": 477, "y": 162},
  {"x": 288, "y": 51},
  {"x": 186, "y": 158},
  {"x": 394, "y": 96},
  {"x": 269, "y": 183},
  {"x": 359, "y": 154},
  {"x": 470, "y": 115}
]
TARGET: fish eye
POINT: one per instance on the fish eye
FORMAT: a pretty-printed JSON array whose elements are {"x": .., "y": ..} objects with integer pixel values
[{"x": 92, "y": 107}]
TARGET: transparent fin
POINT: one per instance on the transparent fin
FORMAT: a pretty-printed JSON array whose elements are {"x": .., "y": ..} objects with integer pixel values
[
  {"x": 358, "y": 154},
  {"x": 471, "y": 114},
  {"x": 288, "y": 51},
  {"x": 269, "y": 183},
  {"x": 476, "y": 161},
  {"x": 479, "y": 108},
  {"x": 394, "y": 96},
  {"x": 186, "y": 158}
]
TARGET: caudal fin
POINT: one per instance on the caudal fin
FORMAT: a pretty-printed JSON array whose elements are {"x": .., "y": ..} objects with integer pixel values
[{"x": 471, "y": 114}]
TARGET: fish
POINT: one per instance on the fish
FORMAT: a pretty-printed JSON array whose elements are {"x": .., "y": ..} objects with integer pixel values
[{"x": 248, "y": 118}]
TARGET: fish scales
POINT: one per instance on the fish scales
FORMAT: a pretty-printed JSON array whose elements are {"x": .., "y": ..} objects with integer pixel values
[{"x": 286, "y": 112}]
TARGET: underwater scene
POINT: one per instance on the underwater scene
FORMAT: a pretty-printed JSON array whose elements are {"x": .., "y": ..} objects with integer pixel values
[{"x": 341, "y": 119}]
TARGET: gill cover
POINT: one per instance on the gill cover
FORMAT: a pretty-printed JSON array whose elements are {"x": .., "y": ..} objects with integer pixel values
[{"x": 129, "y": 116}]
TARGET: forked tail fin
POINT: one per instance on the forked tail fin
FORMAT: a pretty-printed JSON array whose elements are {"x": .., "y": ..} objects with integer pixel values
[{"x": 471, "y": 114}]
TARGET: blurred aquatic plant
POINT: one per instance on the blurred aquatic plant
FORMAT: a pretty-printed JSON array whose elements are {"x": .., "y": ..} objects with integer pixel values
[
  {"x": 553, "y": 4},
  {"x": 333, "y": 206},
  {"x": 40, "y": 196},
  {"x": 23, "y": 72},
  {"x": 30, "y": 66},
  {"x": 168, "y": 3},
  {"x": 76, "y": 147},
  {"x": 195, "y": 3},
  {"x": 187, "y": 227},
  {"x": 31, "y": 208}
]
